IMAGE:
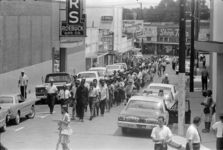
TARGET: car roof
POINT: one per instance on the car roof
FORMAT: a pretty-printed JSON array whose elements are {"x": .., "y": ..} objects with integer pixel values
[
  {"x": 58, "y": 73},
  {"x": 88, "y": 72},
  {"x": 162, "y": 84},
  {"x": 100, "y": 68},
  {"x": 114, "y": 65},
  {"x": 151, "y": 98}
]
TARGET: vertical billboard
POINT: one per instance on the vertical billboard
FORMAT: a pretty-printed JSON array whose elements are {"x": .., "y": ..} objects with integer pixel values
[{"x": 75, "y": 24}]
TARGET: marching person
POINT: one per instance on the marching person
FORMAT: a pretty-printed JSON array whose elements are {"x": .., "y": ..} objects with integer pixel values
[
  {"x": 204, "y": 78},
  {"x": 103, "y": 96},
  {"x": 51, "y": 95},
  {"x": 82, "y": 99},
  {"x": 93, "y": 94},
  {"x": 193, "y": 135},
  {"x": 166, "y": 79},
  {"x": 23, "y": 83},
  {"x": 73, "y": 90},
  {"x": 64, "y": 95},
  {"x": 64, "y": 130},
  {"x": 218, "y": 127},
  {"x": 161, "y": 135}
]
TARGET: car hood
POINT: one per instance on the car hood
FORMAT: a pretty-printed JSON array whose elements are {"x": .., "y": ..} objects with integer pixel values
[{"x": 140, "y": 113}]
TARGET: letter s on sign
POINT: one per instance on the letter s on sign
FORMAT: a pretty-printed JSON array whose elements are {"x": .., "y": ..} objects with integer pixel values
[{"x": 74, "y": 17}]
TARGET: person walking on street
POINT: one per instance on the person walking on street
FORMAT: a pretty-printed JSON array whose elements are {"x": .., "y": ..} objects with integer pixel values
[
  {"x": 218, "y": 127},
  {"x": 64, "y": 95},
  {"x": 82, "y": 99},
  {"x": 161, "y": 135},
  {"x": 103, "y": 96},
  {"x": 193, "y": 135},
  {"x": 23, "y": 84},
  {"x": 65, "y": 130},
  {"x": 93, "y": 94},
  {"x": 165, "y": 79},
  {"x": 204, "y": 78},
  {"x": 208, "y": 102},
  {"x": 73, "y": 90},
  {"x": 51, "y": 95}
]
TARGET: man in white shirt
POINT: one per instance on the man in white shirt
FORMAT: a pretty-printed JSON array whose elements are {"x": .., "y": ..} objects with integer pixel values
[
  {"x": 103, "y": 96},
  {"x": 64, "y": 96},
  {"x": 23, "y": 83},
  {"x": 218, "y": 127},
  {"x": 193, "y": 136},
  {"x": 51, "y": 95},
  {"x": 161, "y": 135}
]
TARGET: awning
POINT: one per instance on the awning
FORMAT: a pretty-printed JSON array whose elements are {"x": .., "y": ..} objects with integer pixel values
[
  {"x": 71, "y": 44},
  {"x": 209, "y": 46},
  {"x": 164, "y": 43}
]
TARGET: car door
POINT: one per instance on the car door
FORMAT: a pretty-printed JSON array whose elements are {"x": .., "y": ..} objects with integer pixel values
[{"x": 173, "y": 113}]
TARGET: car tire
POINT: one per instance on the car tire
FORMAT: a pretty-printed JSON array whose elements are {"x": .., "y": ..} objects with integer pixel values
[
  {"x": 17, "y": 119},
  {"x": 32, "y": 114},
  {"x": 124, "y": 130}
]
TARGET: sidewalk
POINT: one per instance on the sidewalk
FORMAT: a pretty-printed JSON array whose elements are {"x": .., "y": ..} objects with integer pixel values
[{"x": 208, "y": 139}]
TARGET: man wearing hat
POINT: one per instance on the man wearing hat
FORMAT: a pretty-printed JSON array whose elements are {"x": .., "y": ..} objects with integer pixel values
[
  {"x": 218, "y": 127},
  {"x": 23, "y": 83}
]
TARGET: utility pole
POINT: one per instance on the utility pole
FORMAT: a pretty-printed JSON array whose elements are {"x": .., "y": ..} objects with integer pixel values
[
  {"x": 197, "y": 20},
  {"x": 192, "y": 51},
  {"x": 182, "y": 86}
]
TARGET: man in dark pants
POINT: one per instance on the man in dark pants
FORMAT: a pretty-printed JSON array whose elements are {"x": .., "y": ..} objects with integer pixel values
[
  {"x": 23, "y": 83},
  {"x": 51, "y": 95},
  {"x": 82, "y": 99},
  {"x": 204, "y": 78},
  {"x": 103, "y": 96}
]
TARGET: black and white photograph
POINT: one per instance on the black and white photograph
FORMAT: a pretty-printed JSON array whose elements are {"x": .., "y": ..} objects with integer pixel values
[{"x": 111, "y": 74}]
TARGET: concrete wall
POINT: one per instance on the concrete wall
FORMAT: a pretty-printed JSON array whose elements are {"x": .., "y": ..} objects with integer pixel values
[{"x": 25, "y": 34}]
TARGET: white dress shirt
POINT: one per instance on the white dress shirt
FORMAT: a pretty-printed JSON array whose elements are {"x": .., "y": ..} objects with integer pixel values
[
  {"x": 218, "y": 126},
  {"x": 163, "y": 133},
  {"x": 192, "y": 134}
]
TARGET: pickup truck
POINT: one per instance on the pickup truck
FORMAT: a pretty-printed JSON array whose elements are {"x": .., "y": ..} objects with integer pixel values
[
  {"x": 59, "y": 79},
  {"x": 17, "y": 107}
]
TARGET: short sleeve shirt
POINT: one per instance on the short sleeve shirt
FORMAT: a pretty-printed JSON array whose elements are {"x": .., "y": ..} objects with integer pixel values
[
  {"x": 163, "y": 133},
  {"x": 218, "y": 126},
  {"x": 192, "y": 134}
]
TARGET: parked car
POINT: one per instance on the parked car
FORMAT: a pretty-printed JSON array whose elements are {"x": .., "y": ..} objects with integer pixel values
[
  {"x": 3, "y": 116},
  {"x": 59, "y": 79},
  {"x": 89, "y": 76},
  {"x": 167, "y": 87},
  {"x": 114, "y": 67},
  {"x": 102, "y": 72},
  {"x": 141, "y": 112},
  {"x": 17, "y": 108},
  {"x": 167, "y": 96}
]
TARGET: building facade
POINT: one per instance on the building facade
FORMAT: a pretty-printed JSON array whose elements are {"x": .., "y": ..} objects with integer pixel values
[{"x": 30, "y": 40}]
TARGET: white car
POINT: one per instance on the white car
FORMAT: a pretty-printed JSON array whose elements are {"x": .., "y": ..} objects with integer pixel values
[
  {"x": 89, "y": 76},
  {"x": 168, "y": 87},
  {"x": 123, "y": 64},
  {"x": 101, "y": 71},
  {"x": 114, "y": 67}
]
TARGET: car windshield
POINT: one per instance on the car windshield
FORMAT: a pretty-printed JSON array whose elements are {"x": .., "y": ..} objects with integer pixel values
[
  {"x": 86, "y": 75},
  {"x": 160, "y": 87},
  {"x": 113, "y": 67},
  {"x": 6, "y": 100},
  {"x": 58, "y": 78},
  {"x": 145, "y": 105}
]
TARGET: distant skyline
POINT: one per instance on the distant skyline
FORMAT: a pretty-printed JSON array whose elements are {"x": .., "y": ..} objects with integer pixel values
[{"x": 123, "y": 3}]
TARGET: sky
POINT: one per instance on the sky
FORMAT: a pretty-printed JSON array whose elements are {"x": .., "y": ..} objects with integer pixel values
[{"x": 124, "y": 3}]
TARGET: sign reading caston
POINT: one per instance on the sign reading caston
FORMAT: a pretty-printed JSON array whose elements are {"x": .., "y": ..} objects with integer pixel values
[{"x": 75, "y": 24}]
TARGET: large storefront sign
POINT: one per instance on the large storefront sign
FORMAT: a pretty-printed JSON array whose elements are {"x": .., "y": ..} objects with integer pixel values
[
  {"x": 133, "y": 26},
  {"x": 75, "y": 24}
]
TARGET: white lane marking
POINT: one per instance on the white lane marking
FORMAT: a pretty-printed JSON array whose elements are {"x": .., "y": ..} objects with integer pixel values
[{"x": 18, "y": 129}]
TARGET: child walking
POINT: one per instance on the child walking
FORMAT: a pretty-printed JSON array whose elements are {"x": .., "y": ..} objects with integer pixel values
[{"x": 64, "y": 130}]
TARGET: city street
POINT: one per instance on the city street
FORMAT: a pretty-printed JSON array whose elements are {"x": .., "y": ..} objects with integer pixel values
[{"x": 41, "y": 132}]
